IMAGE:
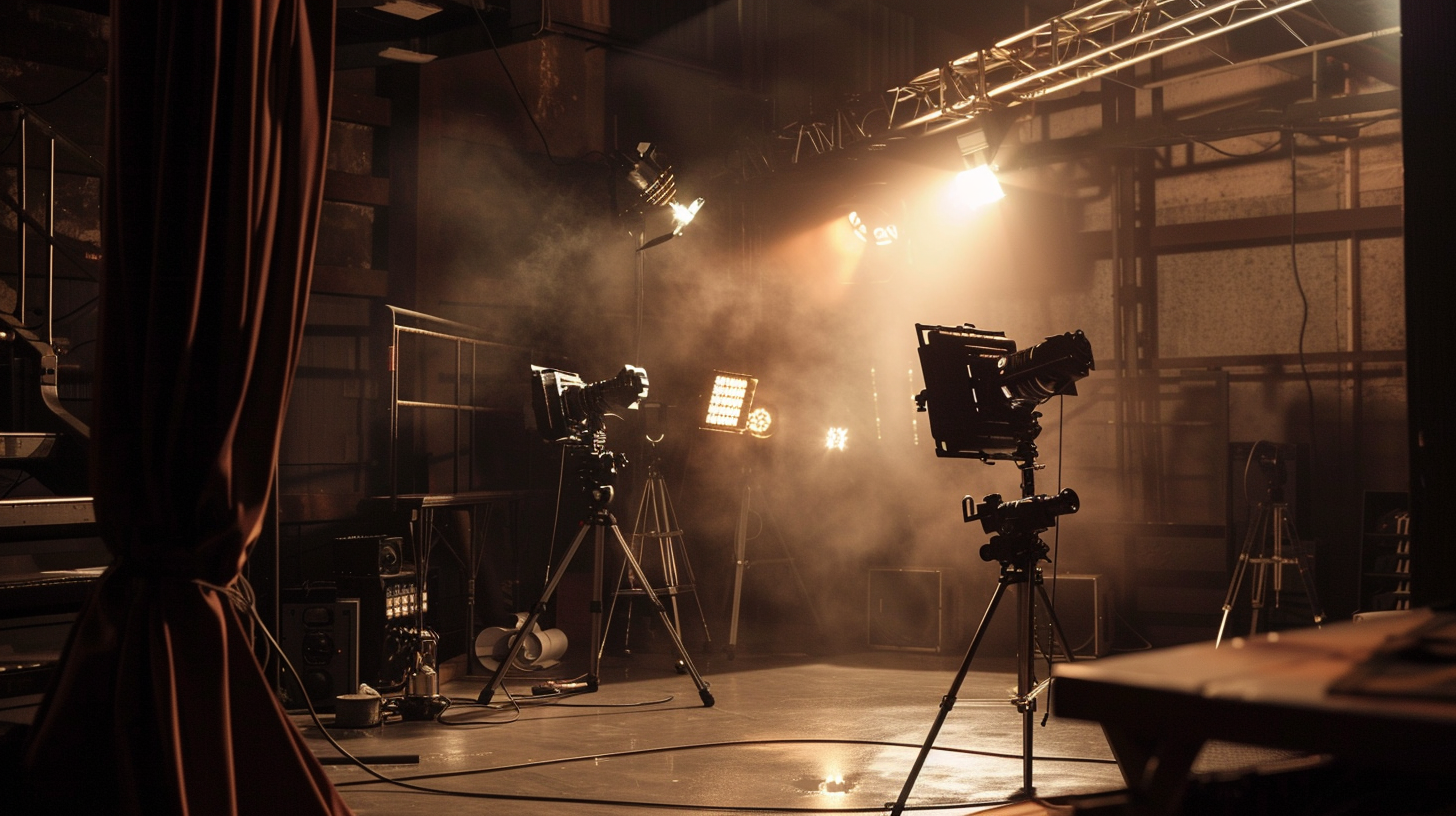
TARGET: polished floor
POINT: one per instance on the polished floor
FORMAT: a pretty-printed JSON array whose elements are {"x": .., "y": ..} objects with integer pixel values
[{"x": 786, "y": 733}]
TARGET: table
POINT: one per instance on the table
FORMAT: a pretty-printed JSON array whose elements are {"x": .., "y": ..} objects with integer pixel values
[
  {"x": 1159, "y": 707},
  {"x": 422, "y": 508}
]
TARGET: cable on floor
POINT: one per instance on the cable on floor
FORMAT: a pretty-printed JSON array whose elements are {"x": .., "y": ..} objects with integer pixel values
[{"x": 407, "y": 781}]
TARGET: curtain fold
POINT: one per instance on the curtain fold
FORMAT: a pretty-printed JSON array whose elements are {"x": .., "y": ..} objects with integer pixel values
[{"x": 217, "y": 127}]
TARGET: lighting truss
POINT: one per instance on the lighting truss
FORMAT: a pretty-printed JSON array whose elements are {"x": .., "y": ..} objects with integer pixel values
[
  {"x": 1095, "y": 39},
  {"x": 1087, "y": 42}
]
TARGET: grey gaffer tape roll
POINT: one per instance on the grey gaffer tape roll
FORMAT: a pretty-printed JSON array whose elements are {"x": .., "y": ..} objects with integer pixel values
[{"x": 356, "y": 710}]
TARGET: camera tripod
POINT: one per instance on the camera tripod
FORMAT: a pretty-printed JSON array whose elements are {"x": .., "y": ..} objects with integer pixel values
[
  {"x": 1018, "y": 547},
  {"x": 597, "y": 477},
  {"x": 1270, "y": 528}
]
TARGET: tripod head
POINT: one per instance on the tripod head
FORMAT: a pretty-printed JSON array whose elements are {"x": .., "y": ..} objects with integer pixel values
[{"x": 1272, "y": 463}]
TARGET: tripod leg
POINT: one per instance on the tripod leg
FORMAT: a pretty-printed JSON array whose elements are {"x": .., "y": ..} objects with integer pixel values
[
  {"x": 638, "y": 525},
  {"x": 498, "y": 679},
  {"x": 948, "y": 701},
  {"x": 1026, "y": 677},
  {"x": 693, "y": 581},
  {"x": 740, "y": 562},
  {"x": 1240, "y": 566},
  {"x": 1256, "y": 593},
  {"x": 794, "y": 568},
  {"x": 651, "y": 596},
  {"x": 1306, "y": 571},
  {"x": 594, "y": 657},
  {"x": 1046, "y": 601}
]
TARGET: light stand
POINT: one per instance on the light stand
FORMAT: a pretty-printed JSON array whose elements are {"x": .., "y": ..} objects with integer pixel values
[
  {"x": 1269, "y": 529},
  {"x": 597, "y": 477},
  {"x": 741, "y": 563},
  {"x": 657, "y": 521}
]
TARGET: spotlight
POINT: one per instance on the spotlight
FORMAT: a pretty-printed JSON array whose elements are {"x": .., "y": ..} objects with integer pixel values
[
  {"x": 873, "y": 226},
  {"x": 836, "y": 439},
  {"x": 656, "y": 188},
  {"x": 976, "y": 185},
  {"x": 567, "y": 410},
  {"x": 982, "y": 393},
  {"x": 729, "y": 402}
]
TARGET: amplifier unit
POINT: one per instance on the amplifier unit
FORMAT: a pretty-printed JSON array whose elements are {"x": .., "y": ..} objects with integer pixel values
[
  {"x": 368, "y": 555},
  {"x": 387, "y": 624}
]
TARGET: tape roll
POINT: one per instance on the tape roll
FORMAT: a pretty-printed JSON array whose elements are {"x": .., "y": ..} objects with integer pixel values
[{"x": 356, "y": 710}]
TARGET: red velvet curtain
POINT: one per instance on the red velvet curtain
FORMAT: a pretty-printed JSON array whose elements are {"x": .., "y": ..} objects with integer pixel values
[{"x": 218, "y": 122}]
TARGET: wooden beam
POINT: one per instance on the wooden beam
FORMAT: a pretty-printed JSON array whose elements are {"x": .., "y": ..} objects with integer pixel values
[
  {"x": 350, "y": 281},
  {"x": 361, "y": 109},
  {"x": 356, "y": 189}
]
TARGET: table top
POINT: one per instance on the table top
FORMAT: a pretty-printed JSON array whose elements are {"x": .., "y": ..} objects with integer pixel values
[{"x": 1275, "y": 689}]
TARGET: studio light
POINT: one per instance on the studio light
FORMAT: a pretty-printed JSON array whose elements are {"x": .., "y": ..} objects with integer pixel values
[
  {"x": 729, "y": 402},
  {"x": 569, "y": 410},
  {"x": 976, "y": 185},
  {"x": 982, "y": 393},
  {"x": 760, "y": 422},
  {"x": 836, "y": 439},
  {"x": 873, "y": 226},
  {"x": 656, "y": 189}
]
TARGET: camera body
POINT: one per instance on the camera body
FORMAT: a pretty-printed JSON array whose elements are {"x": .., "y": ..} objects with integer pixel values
[
  {"x": 1016, "y": 524},
  {"x": 571, "y": 411}
]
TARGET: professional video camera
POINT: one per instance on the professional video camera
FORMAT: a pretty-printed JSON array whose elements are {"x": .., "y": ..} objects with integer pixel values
[
  {"x": 982, "y": 393},
  {"x": 570, "y": 411}
]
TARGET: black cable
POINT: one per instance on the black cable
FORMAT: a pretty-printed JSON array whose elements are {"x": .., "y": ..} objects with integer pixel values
[
  {"x": 8, "y": 142},
  {"x": 246, "y": 603},
  {"x": 525, "y": 106},
  {"x": 406, "y": 782},
  {"x": 16, "y": 104},
  {"x": 1272, "y": 146},
  {"x": 518, "y": 706},
  {"x": 1298, "y": 283},
  {"x": 17, "y": 482}
]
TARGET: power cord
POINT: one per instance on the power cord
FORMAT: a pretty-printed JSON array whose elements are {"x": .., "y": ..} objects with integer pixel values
[
  {"x": 240, "y": 596},
  {"x": 1298, "y": 283},
  {"x": 405, "y": 781}
]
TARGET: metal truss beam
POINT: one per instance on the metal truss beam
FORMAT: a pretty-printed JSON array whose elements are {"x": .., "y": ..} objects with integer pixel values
[
  {"x": 1090, "y": 41},
  {"x": 1087, "y": 42}
]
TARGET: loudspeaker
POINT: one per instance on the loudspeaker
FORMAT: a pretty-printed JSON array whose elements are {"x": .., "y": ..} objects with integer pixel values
[
  {"x": 1084, "y": 608},
  {"x": 368, "y": 555},
  {"x": 906, "y": 609},
  {"x": 321, "y": 640}
]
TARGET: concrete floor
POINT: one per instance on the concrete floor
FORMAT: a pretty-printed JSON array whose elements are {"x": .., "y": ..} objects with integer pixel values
[{"x": 780, "y": 727}]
